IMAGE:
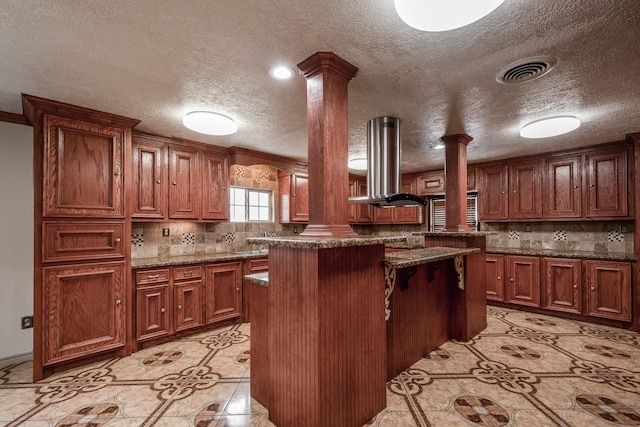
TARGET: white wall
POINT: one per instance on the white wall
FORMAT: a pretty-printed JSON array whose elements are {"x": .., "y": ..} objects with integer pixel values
[{"x": 16, "y": 242}]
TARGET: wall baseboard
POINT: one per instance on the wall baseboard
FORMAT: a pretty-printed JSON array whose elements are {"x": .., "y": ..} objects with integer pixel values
[{"x": 14, "y": 360}]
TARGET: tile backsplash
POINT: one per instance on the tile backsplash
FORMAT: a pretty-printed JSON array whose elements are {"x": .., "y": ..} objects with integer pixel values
[{"x": 597, "y": 236}]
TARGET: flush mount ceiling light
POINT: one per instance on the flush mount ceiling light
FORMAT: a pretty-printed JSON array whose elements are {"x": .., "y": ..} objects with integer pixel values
[
  {"x": 359, "y": 164},
  {"x": 443, "y": 15},
  {"x": 210, "y": 123},
  {"x": 551, "y": 126},
  {"x": 281, "y": 72},
  {"x": 438, "y": 146}
]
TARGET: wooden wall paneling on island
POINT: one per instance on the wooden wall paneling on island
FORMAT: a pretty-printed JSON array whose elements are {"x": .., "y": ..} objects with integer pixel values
[
  {"x": 327, "y": 336},
  {"x": 634, "y": 189},
  {"x": 419, "y": 321},
  {"x": 260, "y": 372},
  {"x": 468, "y": 305}
]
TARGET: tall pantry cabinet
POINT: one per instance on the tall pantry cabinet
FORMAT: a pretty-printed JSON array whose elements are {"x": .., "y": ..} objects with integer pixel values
[{"x": 82, "y": 240}]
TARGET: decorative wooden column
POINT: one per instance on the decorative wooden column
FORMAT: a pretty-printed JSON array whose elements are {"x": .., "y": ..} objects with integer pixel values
[
  {"x": 327, "y": 78},
  {"x": 635, "y": 139},
  {"x": 455, "y": 191}
]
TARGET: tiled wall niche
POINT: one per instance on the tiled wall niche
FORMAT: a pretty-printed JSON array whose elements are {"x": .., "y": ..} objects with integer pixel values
[{"x": 597, "y": 236}]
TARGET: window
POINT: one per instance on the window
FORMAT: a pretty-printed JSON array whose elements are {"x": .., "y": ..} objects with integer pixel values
[
  {"x": 438, "y": 217},
  {"x": 247, "y": 205}
]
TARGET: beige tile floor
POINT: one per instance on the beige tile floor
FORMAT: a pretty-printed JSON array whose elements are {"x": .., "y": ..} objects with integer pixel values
[{"x": 523, "y": 370}]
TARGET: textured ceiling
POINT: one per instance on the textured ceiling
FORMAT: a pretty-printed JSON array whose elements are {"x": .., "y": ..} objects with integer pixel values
[{"x": 155, "y": 60}]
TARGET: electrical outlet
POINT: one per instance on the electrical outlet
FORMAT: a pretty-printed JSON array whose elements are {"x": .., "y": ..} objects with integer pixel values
[
  {"x": 27, "y": 322},
  {"x": 295, "y": 230},
  {"x": 165, "y": 232}
]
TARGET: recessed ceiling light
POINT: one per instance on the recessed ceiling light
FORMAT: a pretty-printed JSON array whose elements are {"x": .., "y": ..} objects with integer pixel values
[
  {"x": 439, "y": 15},
  {"x": 281, "y": 72},
  {"x": 210, "y": 123},
  {"x": 359, "y": 164},
  {"x": 551, "y": 126}
]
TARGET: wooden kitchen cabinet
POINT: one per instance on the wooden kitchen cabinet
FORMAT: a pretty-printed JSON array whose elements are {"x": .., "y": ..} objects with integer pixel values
[
  {"x": 150, "y": 179},
  {"x": 562, "y": 187},
  {"x": 494, "y": 201},
  {"x": 494, "y": 277},
  {"x": 152, "y": 316},
  {"x": 364, "y": 212},
  {"x": 251, "y": 266},
  {"x": 223, "y": 291},
  {"x": 187, "y": 302},
  {"x": 562, "y": 284},
  {"x": 606, "y": 183},
  {"x": 523, "y": 280},
  {"x": 215, "y": 184},
  {"x": 430, "y": 183},
  {"x": 294, "y": 197},
  {"x": 408, "y": 214},
  {"x": 609, "y": 289},
  {"x": 184, "y": 183},
  {"x": 72, "y": 241},
  {"x": 84, "y": 313},
  {"x": 525, "y": 190}
]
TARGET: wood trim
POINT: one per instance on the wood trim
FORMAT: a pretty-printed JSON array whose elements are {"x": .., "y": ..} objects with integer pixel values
[
  {"x": 18, "y": 119},
  {"x": 634, "y": 189},
  {"x": 247, "y": 157}
]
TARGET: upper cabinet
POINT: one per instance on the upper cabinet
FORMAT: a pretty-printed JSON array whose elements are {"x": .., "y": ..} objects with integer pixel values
[
  {"x": 294, "y": 196},
  {"x": 563, "y": 187},
  {"x": 525, "y": 190},
  {"x": 494, "y": 201},
  {"x": 408, "y": 214},
  {"x": 82, "y": 169},
  {"x": 430, "y": 183},
  {"x": 606, "y": 183},
  {"x": 178, "y": 181}
]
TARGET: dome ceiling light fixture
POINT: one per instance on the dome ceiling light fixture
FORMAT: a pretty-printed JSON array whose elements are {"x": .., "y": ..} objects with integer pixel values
[
  {"x": 210, "y": 123},
  {"x": 359, "y": 164},
  {"x": 281, "y": 72},
  {"x": 443, "y": 15},
  {"x": 551, "y": 126}
]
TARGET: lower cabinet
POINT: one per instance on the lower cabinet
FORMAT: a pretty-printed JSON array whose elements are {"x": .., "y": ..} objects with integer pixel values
[
  {"x": 151, "y": 311},
  {"x": 223, "y": 291},
  {"x": 583, "y": 287},
  {"x": 523, "y": 280},
  {"x": 251, "y": 266},
  {"x": 187, "y": 285},
  {"x": 85, "y": 314},
  {"x": 562, "y": 284}
]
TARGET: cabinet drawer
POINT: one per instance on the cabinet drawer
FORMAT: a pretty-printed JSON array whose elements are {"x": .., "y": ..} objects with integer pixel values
[
  {"x": 188, "y": 272},
  {"x": 71, "y": 241},
  {"x": 146, "y": 277}
]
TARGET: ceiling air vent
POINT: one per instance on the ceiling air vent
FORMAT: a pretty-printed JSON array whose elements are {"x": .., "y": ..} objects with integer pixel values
[{"x": 525, "y": 69}]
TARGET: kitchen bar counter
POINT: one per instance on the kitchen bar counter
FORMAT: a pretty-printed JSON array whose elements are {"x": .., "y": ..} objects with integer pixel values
[
  {"x": 324, "y": 243},
  {"x": 413, "y": 257},
  {"x": 613, "y": 256},
  {"x": 165, "y": 261}
]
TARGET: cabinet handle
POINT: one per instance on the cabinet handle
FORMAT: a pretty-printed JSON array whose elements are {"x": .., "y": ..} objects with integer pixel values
[
  {"x": 117, "y": 239},
  {"x": 162, "y": 310},
  {"x": 224, "y": 188},
  {"x": 117, "y": 173},
  {"x": 188, "y": 273},
  {"x": 174, "y": 183},
  {"x": 118, "y": 301},
  {"x": 502, "y": 192},
  {"x": 511, "y": 279},
  {"x": 153, "y": 276},
  {"x": 180, "y": 307},
  {"x": 157, "y": 181},
  {"x": 514, "y": 191}
]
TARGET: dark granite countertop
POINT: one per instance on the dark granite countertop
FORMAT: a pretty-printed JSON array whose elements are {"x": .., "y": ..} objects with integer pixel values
[
  {"x": 455, "y": 233},
  {"x": 195, "y": 259},
  {"x": 259, "y": 279},
  {"x": 613, "y": 256},
  {"x": 323, "y": 243},
  {"x": 409, "y": 258}
]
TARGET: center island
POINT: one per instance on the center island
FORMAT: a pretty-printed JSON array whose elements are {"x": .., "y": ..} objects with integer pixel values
[{"x": 336, "y": 318}]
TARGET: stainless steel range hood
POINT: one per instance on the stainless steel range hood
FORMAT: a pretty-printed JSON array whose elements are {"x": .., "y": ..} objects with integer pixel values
[{"x": 383, "y": 166}]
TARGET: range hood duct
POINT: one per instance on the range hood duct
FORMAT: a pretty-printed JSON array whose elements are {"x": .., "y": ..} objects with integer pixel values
[{"x": 383, "y": 166}]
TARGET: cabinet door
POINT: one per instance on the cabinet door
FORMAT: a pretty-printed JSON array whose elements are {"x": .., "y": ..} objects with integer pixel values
[
  {"x": 82, "y": 241},
  {"x": 188, "y": 305},
  {"x": 563, "y": 188},
  {"x": 383, "y": 215},
  {"x": 471, "y": 179},
  {"x": 149, "y": 180},
  {"x": 609, "y": 289},
  {"x": 223, "y": 295},
  {"x": 82, "y": 169},
  {"x": 184, "y": 186},
  {"x": 525, "y": 190},
  {"x": 606, "y": 183},
  {"x": 299, "y": 198},
  {"x": 215, "y": 196},
  {"x": 364, "y": 211},
  {"x": 151, "y": 312},
  {"x": 251, "y": 266},
  {"x": 494, "y": 274},
  {"x": 409, "y": 214},
  {"x": 493, "y": 193},
  {"x": 84, "y": 310},
  {"x": 562, "y": 284},
  {"x": 352, "y": 215},
  {"x": 430, "y": 183},
  {"x": 523, "y": 286}
]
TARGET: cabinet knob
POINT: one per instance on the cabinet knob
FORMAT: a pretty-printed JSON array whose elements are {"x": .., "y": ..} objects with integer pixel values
[
  {"x": 575, "y": 286},
  {"x": 162, "y": 310},
  {"x": 502, "y": 192},
  {"x": 224, "y": 188},
  {"x": 593, "y": 288},
  {"x": 157, "y": 181},
  {"x": 238, "y": 289},
  {"x": 118, "y": 301},
  {"x": 499, "y": 277},
  {"x": 117, "y": 173},
  {"x": 514, "y": 191},
  {"x": 511, "y": 279},
  {"x": 117, "y": 239},
  {"x": 575, "y": 186},
  {"x": 174, "y": 183},
  {"x": 179, "y": 307},
  {"x": 590, "y": 185}
]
